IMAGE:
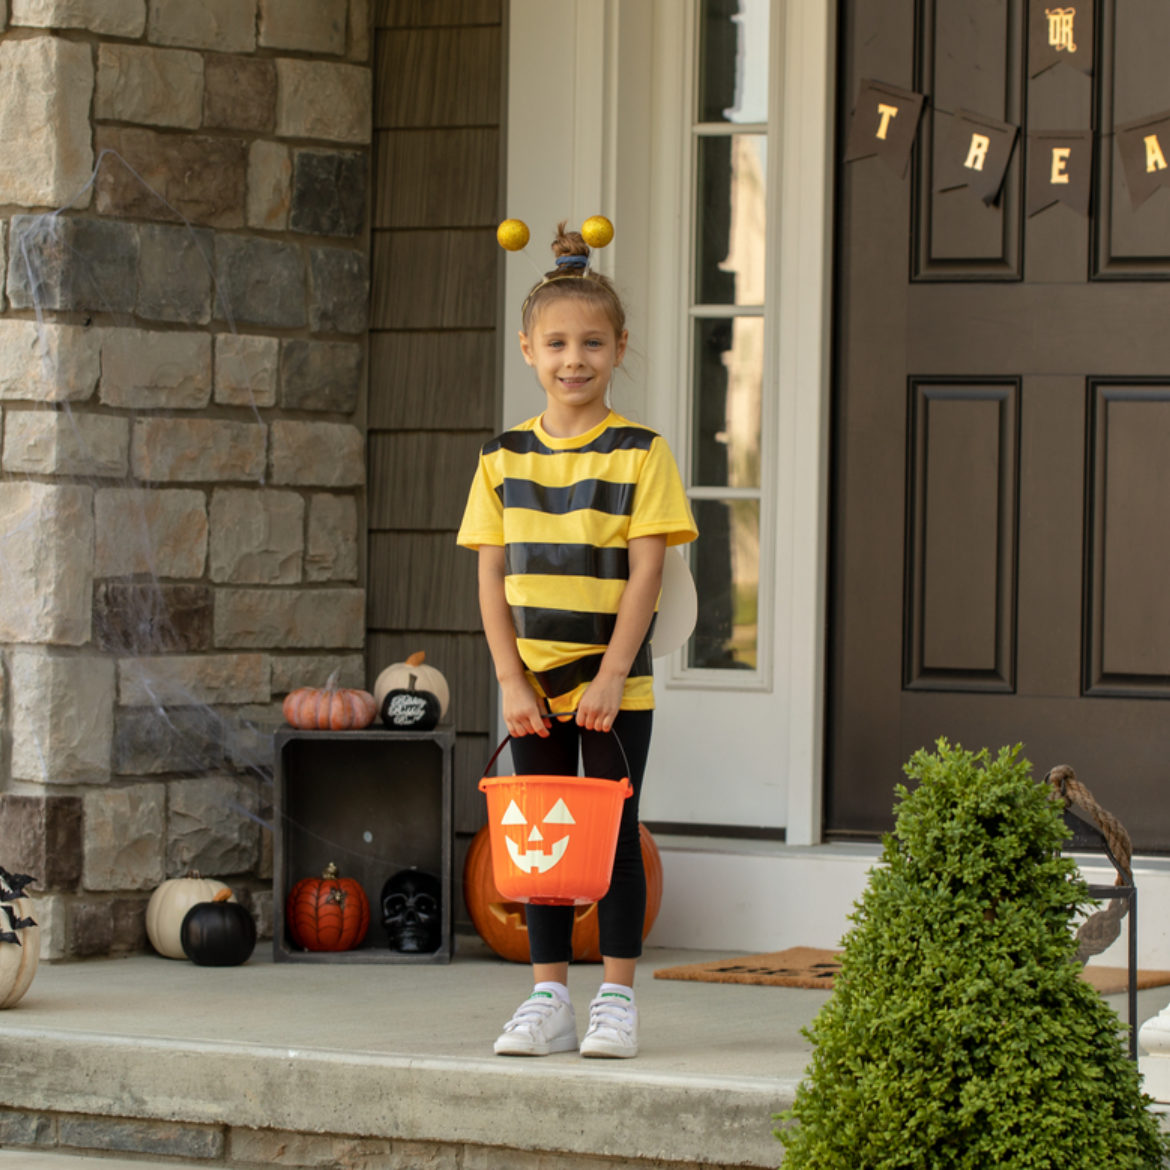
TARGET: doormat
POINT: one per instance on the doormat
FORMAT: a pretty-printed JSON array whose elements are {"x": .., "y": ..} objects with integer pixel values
[
  {"x": 795, "y": 967},
  {"x": 812, "y": 967}
]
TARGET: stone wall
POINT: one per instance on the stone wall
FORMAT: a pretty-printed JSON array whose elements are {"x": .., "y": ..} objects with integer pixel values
[{"x": 184, "y": 286}]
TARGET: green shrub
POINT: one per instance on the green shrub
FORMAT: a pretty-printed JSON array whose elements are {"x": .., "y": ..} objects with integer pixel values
[{"x": 960, "y": 1033}]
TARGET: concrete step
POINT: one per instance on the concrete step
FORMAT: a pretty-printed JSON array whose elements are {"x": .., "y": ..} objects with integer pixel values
[{"x": 34, "y": 1160}]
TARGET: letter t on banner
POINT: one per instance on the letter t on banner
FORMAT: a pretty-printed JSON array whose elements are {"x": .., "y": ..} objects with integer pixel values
[
  {"x": 885, "y": 123},
  {"x": 1060, "y": 167},
  {"x": 1144, "y": 147}
]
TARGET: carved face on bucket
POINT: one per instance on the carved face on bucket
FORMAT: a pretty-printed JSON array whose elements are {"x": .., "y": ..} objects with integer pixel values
[{"x": 528, "y": 843}]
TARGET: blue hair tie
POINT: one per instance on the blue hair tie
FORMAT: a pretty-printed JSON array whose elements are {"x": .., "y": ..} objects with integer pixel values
[{"x": 572, "y": 261}]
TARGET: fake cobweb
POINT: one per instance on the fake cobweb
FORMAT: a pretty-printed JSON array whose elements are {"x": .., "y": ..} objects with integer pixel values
[{"x": 238, "y": 738}]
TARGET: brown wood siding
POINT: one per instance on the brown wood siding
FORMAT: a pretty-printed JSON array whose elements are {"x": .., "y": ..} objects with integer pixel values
[{"x": 436, "y": 276}]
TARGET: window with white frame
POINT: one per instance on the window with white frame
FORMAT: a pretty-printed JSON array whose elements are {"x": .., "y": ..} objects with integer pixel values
[{"x": 727, "y": 350}]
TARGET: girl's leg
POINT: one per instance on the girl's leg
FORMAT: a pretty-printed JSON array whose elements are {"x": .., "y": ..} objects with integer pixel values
[
  {"x": 544, "y": 1023},
  {"x": 613, "y": 1017},
  {"x": 550, "y": 928},
  {"x": 621, "y": 913}
]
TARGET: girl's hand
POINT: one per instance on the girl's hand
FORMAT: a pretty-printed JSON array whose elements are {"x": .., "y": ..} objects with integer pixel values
[
  {"x": 521, "y": 709},
  {"x": 599, "y": 705}
]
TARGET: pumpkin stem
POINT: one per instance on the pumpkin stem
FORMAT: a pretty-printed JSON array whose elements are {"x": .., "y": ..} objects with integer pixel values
[
  {"x": 193, "y": 873},
  {"x": 417, "y": 658},
  {"x": 332, "y": 681},
  {"x": 222, "y": 896},
  {"x": 330, "y": 871},
  {"x": 413, "y": 682}
]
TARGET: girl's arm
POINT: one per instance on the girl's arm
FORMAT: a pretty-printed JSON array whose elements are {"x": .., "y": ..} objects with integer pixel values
[
  {"x": 602, "y": 699},
  {"x": 519, "y": 705}
]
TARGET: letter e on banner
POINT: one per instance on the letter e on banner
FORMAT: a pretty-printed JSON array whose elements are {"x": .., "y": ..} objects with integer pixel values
[{"x": 1060, "y": 168}]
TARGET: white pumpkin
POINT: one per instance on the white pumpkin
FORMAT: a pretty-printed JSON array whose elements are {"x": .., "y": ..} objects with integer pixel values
[
  {"x": 168, "y": 907},
  {"x": 18, "y": 960},
  {"x": 398, "y": 677}
]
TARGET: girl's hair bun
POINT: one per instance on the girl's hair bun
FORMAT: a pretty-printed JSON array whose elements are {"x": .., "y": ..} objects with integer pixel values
[
  {"x": 575, "y": 280},
  {"x": 569, "y": 243}
]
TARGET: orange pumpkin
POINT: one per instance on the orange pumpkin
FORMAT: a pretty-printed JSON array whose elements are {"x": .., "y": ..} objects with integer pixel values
[
  {"x": 328, "y": 913},
  {"x": 503, "y": 925},
  {"x": 329, "y": 708}
]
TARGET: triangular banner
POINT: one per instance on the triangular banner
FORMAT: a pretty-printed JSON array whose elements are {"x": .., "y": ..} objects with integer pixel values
[
  {"x": 1060, "y": 169},
  {"x": 885, "y": 122},
  {"x": 1060, "y": 33},
  {"x": 1144, "y": 147},
  {"x": 976, "y": 154}
]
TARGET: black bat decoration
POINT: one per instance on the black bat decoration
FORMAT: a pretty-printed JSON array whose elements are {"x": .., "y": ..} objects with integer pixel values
[
  {"x": 17, "y": 923},
  {"x": 12, "y": 884}
]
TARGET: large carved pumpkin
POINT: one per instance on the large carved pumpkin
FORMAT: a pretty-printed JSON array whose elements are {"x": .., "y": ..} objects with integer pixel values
[{"x": 503, "y": 925}]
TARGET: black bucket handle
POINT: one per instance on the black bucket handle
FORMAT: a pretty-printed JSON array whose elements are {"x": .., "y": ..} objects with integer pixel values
[{"x": 560, "y": 716}]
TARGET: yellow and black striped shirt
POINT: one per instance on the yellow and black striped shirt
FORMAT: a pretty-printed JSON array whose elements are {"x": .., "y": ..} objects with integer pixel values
[{"x": 564, "y": 511}]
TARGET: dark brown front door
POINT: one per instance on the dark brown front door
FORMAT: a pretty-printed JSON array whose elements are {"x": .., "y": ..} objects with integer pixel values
[{"x": 1001, "y": 494}]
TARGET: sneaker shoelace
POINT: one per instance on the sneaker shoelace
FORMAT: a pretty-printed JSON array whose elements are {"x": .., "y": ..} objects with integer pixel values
[
  {"x": 611, "y": 1014},
  {"x": 531, "y": 1014}
]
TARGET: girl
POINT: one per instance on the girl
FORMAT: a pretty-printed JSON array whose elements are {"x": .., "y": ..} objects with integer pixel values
[{"x": 571, "y": 513}]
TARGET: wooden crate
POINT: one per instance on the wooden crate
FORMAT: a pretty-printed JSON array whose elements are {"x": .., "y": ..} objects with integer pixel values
[{"x": 373, "y": 802}]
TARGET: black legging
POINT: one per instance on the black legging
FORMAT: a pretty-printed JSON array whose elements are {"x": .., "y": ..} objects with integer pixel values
[{"x": 622, "y": 912}]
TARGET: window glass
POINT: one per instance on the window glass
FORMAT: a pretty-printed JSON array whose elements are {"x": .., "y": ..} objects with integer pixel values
[
  {"x": 725, "y": 319},
  {"x": 728, "y": 382},
  {"x": 730, "y": 220},
  {"x": 733, "y": 61},
  {"x": 726, "y": 566}
]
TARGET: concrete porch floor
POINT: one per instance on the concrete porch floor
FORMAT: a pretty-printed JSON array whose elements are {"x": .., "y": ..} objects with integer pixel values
[{"x": 404, "y": 1052}]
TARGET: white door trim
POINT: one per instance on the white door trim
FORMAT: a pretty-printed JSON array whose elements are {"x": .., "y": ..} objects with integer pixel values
[{"x": 591, "y": 84}]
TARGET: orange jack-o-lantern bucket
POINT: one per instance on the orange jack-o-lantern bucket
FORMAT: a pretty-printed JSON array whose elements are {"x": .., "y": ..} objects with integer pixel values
[{"x": 553, "y": 837}]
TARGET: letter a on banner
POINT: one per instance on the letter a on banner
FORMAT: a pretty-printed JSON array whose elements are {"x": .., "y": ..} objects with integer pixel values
[
  {"x": 1060, "y": 167},
  {"x": 1144, "y": 147},
  {"x": 885, "y": 123}
]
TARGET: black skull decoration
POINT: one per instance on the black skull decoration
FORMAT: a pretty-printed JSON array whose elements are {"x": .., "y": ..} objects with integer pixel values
[{"x": 411, "y": 903}]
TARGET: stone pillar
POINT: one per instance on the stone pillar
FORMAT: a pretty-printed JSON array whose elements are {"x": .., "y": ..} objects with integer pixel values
[
  {"x": 1154, "y": 1038},
  {"x": 183, "y": 313}
]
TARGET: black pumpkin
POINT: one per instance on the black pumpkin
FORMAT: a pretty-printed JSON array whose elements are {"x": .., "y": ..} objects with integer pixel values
[
  {"x": 219, "y": 933},
  {"x": 407, "y": 709}
]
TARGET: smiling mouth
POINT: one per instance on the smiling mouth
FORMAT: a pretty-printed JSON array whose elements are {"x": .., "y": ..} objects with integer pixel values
[{"x": 535, "y": 859}]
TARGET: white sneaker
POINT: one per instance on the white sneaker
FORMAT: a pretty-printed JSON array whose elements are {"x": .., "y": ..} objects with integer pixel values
[
  {"x": 613, "y": 1026},
  {"x": 542, "y": 1024}
]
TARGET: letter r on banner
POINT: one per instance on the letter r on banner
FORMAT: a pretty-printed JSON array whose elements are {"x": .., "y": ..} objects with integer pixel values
[{"x": 977, "y": 154}]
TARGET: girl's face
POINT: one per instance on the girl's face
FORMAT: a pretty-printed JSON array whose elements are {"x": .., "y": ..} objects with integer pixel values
[{"x": 574, "y": 351}]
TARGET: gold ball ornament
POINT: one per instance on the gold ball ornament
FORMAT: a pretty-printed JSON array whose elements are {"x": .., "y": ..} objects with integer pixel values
[
  {"x": 597, "y": 231},
  {"x": 512, "y": 234}
]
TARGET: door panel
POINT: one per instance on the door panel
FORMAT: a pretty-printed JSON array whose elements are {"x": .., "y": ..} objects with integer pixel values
[{"x": 1001, "y": 484}]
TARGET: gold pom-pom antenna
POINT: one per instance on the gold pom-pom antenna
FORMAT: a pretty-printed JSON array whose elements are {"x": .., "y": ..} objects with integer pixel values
[
  {"x": 597, "y": 231},
  {"x": 512, "y": 235}
]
